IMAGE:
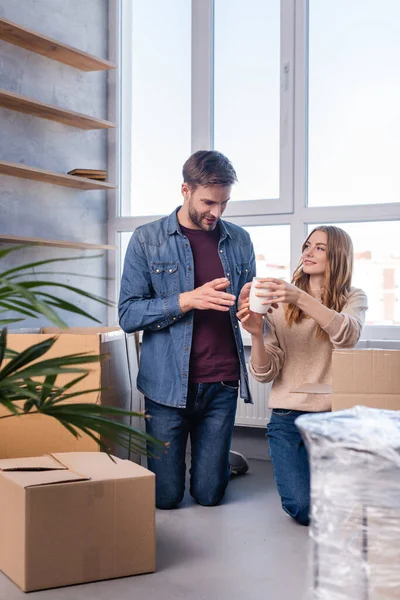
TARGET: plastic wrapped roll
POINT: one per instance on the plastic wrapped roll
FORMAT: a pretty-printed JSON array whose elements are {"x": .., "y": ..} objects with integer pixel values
[{"x": 355, "y": 503}]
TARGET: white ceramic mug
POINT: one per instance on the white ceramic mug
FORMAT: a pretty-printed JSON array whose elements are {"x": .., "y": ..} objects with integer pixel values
[{"x": 256, "y": 302}]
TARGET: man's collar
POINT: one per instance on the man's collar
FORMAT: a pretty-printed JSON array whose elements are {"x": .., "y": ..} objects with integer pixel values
[{"x": 172, "y": 222}]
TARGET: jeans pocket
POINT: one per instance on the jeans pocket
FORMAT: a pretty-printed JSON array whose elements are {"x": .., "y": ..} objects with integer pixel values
[
  {"x": 281, "y": 412},
  {"x": 230, "y": 385}
]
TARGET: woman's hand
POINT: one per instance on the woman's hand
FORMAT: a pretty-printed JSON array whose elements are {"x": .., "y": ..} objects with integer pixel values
[
  {"x": 280, "y": 291},
  {"x": 244, "y": 295},
  {"x": 251, "y": 322}
]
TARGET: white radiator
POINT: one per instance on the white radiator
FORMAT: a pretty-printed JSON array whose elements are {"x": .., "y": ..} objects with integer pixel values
[{"x": 257, "y": 414}]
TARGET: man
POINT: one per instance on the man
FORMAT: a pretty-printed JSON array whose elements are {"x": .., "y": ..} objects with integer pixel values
[{"x": 182, "y": 277}]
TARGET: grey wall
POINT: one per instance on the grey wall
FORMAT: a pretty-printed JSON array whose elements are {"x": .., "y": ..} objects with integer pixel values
[{"x": 42, "y": 210}]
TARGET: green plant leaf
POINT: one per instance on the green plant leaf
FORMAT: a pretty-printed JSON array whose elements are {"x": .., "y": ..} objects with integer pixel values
[
  {"x": 39, "y": 263},
  {"x": 3, "y": 341},
  {"x": 27, "y": 356},
  {"x": 9, "y": 321},
  {"x": 15, "y": 305},
  {"x": 47, "y": 387},
  {"x": 67, "y": 306},
  {"x": 5, "y": 251},
  {"x": 20, "y": 290},
  {"x": 28, "y": 285}
]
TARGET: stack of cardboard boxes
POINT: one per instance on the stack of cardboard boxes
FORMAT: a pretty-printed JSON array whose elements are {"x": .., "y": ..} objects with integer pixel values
[{"x": 68, "y": 513}]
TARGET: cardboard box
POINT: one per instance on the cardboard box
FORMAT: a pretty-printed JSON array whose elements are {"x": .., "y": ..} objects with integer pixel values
[
  {"x": 74, "y": 518},
  {"x": 369, "y": 377},
  {"x": 34, "y": 435}
]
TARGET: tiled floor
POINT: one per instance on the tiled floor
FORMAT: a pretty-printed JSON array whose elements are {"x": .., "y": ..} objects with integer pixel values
[{"x": 244, "y": 549}]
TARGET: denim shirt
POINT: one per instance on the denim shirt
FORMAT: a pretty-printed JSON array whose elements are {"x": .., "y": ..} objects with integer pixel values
[{"x": 158, "y": 268}]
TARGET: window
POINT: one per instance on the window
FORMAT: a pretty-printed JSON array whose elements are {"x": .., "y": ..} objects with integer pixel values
[
  {"x": 156, "y": 103},
  {"x": 354, "y": 102},
  {"x": 301, "y": 95},
  {"x": 377, "y": 268},
  {"x": 272, "y": 250},
  {"x": 247, "y": 93}
]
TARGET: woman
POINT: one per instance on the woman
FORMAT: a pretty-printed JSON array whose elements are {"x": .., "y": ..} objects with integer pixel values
[{"x": 314, "y": 315}]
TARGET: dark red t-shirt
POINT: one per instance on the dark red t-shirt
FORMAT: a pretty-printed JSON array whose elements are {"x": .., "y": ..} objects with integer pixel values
[{"x": 214, "y": 355}]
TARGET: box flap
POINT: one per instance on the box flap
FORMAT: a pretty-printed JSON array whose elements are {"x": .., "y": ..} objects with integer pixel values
[
  {"x": 98, "y": 466},
  {"x": 36, "y": 471},
  {"x": 31, "y": 463},
  {"x": 313, "y": 388},
  {"x": 28, "y": 479}
]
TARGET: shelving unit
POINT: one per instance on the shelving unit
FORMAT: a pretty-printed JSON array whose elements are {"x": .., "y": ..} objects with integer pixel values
[
  {"x": 12, "y": 239},
  {"x": 35, "y": 42},
  {"x": 34, "y": 174},
  {"x": 41, "y": 44},
  {"x": 19, "y": 103}
]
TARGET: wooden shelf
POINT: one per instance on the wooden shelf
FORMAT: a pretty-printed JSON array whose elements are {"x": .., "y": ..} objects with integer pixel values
[
  {"x": 24, "y": 172},
  {"x": 29, "y": 106},
  {"x": 13, "y": 239},
  {"x": 41, "y": 44}
]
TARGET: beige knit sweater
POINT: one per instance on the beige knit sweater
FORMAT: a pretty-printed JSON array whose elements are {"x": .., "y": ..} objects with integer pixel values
[{"x": 297, "y": 357}]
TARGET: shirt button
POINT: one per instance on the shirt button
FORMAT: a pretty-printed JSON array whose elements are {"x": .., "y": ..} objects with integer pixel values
[
  {"x": 227, "y": 274},
  {"x": 190, "y": 268},
  {"x": 158, "y": 326},
  {"x": 170, "y": 270},
  {"x": 184, "y": 375},
  {"x": 186, "y": 245},
  {"x": 174, "y": 318},
  {"x": 235, "y": 326},
  {"x": 246, "y": 270},
  {"x": 157, "y": 270},
  {"x": 221, "y": 251},
  {"x": 186, "y": 349}
]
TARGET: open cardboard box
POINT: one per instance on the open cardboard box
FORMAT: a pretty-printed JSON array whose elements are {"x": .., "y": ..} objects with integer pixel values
[
  {"x": 34, "y": 435},
  {"x": 73, "y": 518}
]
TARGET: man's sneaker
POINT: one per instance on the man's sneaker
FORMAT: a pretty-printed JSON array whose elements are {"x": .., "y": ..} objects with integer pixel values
[{"x": 238, "y": 464}]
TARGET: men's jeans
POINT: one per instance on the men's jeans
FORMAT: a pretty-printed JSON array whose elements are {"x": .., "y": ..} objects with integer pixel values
[
  {"x": 208, "y": 418},
  {"x": 290, "y": 463}
]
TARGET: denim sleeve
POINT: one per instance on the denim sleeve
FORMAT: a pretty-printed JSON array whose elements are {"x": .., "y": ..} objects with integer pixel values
[{"x": 137, "y": 308}]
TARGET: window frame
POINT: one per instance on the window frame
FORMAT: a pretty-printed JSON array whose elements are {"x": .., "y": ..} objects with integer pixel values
[{"x": 291, "y": 208}]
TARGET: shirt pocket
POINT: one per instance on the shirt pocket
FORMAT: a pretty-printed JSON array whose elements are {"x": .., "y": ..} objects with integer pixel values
[
  {"x": 165, "y": 277},
  {"x": 242, "y": 272}
]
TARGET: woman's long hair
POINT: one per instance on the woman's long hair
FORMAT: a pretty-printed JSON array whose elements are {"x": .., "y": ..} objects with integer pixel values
[{"x": 338, "y": 273}]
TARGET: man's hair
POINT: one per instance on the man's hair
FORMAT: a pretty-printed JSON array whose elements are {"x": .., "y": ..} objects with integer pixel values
[{"x": 208, "y": 167}]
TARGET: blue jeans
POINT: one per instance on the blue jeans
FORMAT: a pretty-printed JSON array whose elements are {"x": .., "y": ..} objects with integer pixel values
[
  {"x": 208, "y": 418},
  {"x": 290, "y": 463}
]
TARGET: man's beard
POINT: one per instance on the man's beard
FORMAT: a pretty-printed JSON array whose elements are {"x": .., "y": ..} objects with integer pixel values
[{"x": 199, "y": 220}]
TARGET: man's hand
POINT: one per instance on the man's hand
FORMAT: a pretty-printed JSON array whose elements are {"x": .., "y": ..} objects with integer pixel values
[{"x": 208, "y": 297}]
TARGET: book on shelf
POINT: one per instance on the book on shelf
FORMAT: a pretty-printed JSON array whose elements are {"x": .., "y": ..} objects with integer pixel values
[{"x": 97, "y": 174}]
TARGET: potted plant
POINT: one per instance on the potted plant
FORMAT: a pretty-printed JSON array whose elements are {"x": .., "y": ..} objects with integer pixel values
[{"x": 29, "y": 380}]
